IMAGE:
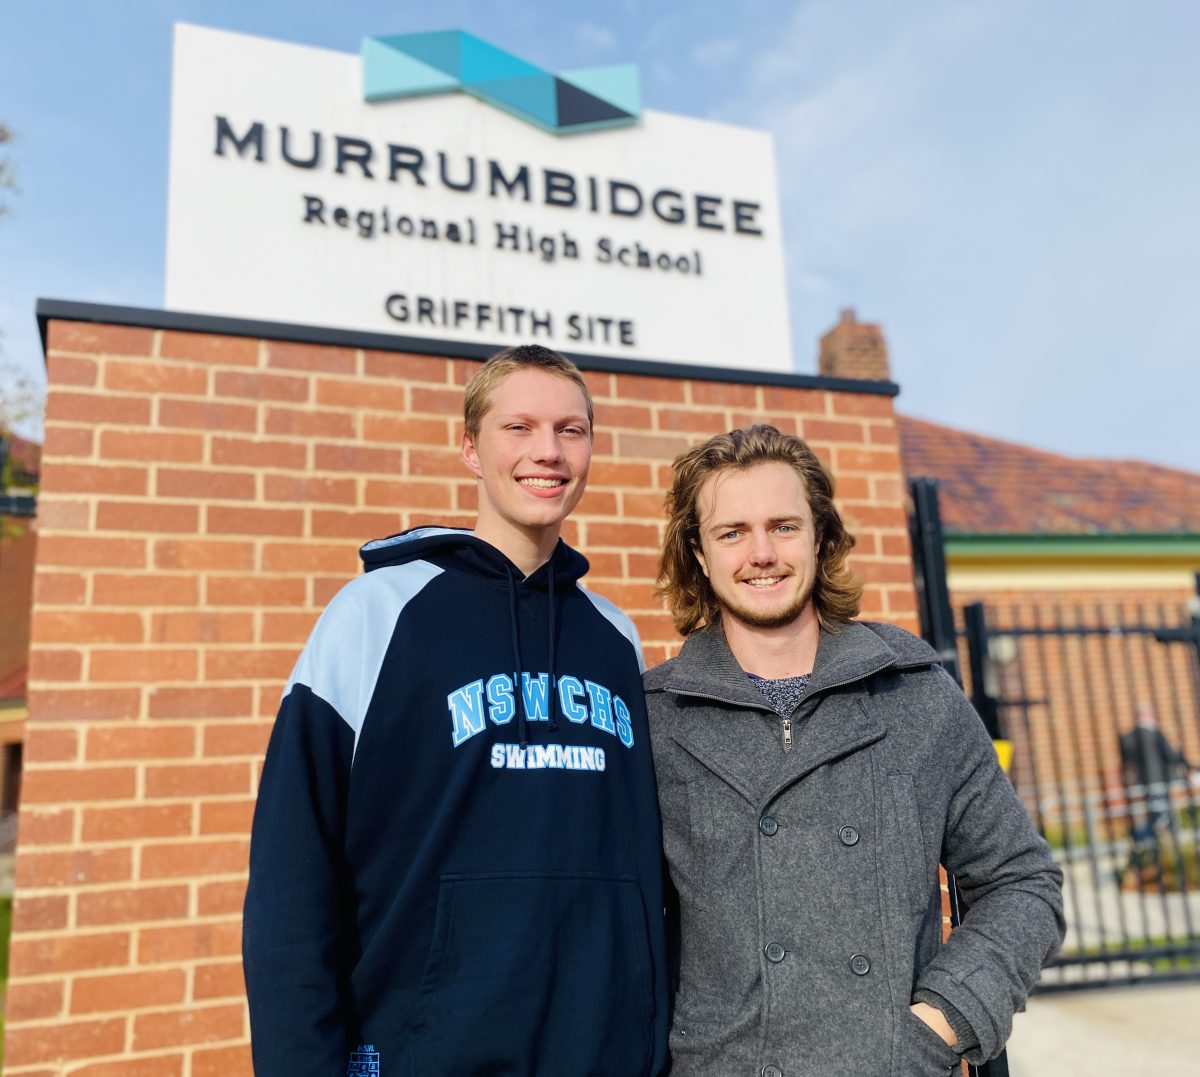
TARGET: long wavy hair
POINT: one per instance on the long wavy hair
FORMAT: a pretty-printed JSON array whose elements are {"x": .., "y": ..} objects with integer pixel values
[{"x": 682, "y": 582}]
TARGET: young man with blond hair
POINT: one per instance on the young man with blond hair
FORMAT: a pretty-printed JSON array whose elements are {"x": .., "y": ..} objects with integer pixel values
[
  {"x": 813, "y": 770},
  {"x": 455, "y": 865}
]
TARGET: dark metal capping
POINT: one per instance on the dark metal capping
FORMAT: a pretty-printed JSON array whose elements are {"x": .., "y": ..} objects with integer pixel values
[{"x": 151, "y": 318}]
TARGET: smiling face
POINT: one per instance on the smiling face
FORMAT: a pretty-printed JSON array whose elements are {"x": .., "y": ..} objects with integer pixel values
[
  {"x": 757, "y": 545},
  {"x": 531, "y": 457}
]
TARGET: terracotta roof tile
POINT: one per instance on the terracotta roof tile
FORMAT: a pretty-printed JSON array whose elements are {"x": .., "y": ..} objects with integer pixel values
[{"x": 989, "y": 486}]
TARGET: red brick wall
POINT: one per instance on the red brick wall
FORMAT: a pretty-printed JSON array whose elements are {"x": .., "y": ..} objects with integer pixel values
[
  {"x": 202, "y": 498},
  {"x": 18, "y": 542}
]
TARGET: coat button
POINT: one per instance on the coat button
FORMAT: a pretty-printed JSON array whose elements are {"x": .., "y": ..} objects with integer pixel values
[
  {"x": 860, "y": 964},
  {"x": 775, "y": 953},
  {"x": 771, "y": 1071},
  {"x": 768, "y": 825},
  {"x": 848, "y": 835}
]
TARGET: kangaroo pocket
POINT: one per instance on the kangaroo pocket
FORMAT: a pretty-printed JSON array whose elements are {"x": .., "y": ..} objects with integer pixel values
[{"x": 537, "y": 973}]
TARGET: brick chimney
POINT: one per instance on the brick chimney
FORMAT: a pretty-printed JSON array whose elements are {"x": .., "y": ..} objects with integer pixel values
[{"x": 854, "y": 349}]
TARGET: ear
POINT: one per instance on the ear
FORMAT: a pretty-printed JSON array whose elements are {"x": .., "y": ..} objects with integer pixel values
[
  {"x": 700, "y": 557},
  {"x": 470, "y": 455}
]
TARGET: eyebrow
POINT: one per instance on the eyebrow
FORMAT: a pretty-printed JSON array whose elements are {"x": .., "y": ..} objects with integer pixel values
[
  {"x": 736, "y": 525},
  {"x": 522, "y": 416}
]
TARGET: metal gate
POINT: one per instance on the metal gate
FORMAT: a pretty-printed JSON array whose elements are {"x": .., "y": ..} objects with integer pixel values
[{"x": 1101, "y": 704}]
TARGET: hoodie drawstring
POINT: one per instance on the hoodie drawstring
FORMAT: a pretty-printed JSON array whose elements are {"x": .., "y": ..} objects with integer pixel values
[
  {"x": 518, "y": 695},
  {"x": 553, "y": 662}
]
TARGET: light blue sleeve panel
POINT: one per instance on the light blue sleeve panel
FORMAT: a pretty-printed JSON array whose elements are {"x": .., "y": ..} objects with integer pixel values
[
  {"x": 343, "y": 656},
  {"x": 620, "y": 621}
]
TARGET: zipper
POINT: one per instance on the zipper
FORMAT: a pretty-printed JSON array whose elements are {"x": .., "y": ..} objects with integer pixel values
[{"x": 787, "y": 734}]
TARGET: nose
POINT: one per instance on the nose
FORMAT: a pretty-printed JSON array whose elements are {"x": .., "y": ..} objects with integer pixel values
[
  {"x": 762, "y": 548},
  {"x": 546, "y": 447}
]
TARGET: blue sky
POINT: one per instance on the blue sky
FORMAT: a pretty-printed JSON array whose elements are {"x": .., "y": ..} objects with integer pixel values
[{"x": 1010, "y": 187}]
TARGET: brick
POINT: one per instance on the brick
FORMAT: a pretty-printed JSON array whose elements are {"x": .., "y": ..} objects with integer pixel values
[
  {"x": 135, "y": 821},
  {"x": 654, "y": 625},
  {"x": 86, "y": 626},
  {"x": 832, "y": 430},
  {"x": 218, "y": 898},
  {"x": 157, "y": 1066},
  {"x": 151, "y": 446},
  {"x": 692, "y": 420},
  {"x": 156, "y": 377},
  {"x": 127, "y": 991},
  {"x": 789, "y": 401},
  {"x": 194, "y": 858},
  {"x": 67, "y": 953},
  {"x": 97, "y": 552},
  {"x": 426, "y": 519},
  {"x": 77, "y": 868},
  {"x": 74, "y": 784},
  {"x": 408, "y": 495},
  {"x": 42, "y": 913},
  {"x": 323, "y": 590},
  {"x": 104, "y": 409},
  {"x": 226, "y": 817},
  {"x": 209, "y": 348},
  {"x": 132, "y": 905},
  {"x": 33, "y": 1001},
  {"x": 310, "y": 557},
  {"x": 58, "y": 514},
  {"x": 595, "y": 503},
  {"x": 637, "y": 416},
  {"x": 462, "y": 370},
  {"x": 860, "y": 516},
  {"x": 867, "y": 405},
  {"x": 436, "y": 401},
  {"x": 243, "y": 664},
  {"x": 398, "y": 365},
  {"x": 201, "y": 701},
  {"x": 256, "y": 453},
  {"x": 358, "y": 459},
  {"x": 636, "y": 504},
  {"x": 67, "y": 441},
  {"x": 55, "y": 665},
  {"x": 196, "y": 779},
  {"x": 203, "y": 554},
  {"x": 157, "y": 945},
  {"x": 851, "y": 488},
  {"x": 145, "y": 589},
  {"x": 143, "y": 666},
  {"x": 95, "y": 479},
  {"x": 287, "y": 627},
  {"x": 440, "y": 462},
  {"x": 878, "y": 460},
  {"x": 888, "y": 489},
  {"x": 104, "y": 339},
  {"x": 897, "y": 545},
  {"x": 623, "y": 535},
  {"x": 284, "y": 355},
  {"x": 643, "y": 566},
  {"x": 208, "y": 415},
  {"x": 54, "y": 827},
  {"x": 305, "y": 489},
  {"x": 228, "y": 520},
  {"x": 656, "y": 446},
  {"x": 83, "y": 704},
  {"x": 51, "y": 746},
  {"x": 281, "y": 387},
  {"x": 730, "y": 394},
  {"x": 355, "y": 525},
  {"x": 402, "y": 430},
  {"x": 638, "y": 387},
  {"x": 883, "y": 434},
  {"x": 71, "y": 370},
  {"x": 25, "y": 1045},
  {"x": 59, "y": 588},
  {"x": 369, "y": 396},
  {"x": 140, "y": 742},
  {"x": 884, "y": 571},
  {"x": 254, "y": 591},
  {"x": 296, "y": 422},
  {"x": 629, "y": 596},
  {"x": 466, "y": 496},
  {"x": 605, "y": 564},
  {"x": 223, "y": 1062},
  {"x": 202, "y": 627},
  {"x": 219, "y": 981},
  {"x": 612, "y": 473}
]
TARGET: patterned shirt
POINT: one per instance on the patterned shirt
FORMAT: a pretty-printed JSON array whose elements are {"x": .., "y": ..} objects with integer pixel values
[{"x": 783, "y": 694}]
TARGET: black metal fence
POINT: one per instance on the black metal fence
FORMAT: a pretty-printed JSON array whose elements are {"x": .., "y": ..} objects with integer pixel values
[{"x": 1101, "y": 705}]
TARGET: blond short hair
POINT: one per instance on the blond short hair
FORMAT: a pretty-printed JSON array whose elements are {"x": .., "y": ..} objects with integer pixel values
[
  {"x": 682, "y": 582},
  {"x": 478, "y": 396}
]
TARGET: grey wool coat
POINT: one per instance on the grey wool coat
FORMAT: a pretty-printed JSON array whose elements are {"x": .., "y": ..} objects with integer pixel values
[{"x": 808, "y": 903}]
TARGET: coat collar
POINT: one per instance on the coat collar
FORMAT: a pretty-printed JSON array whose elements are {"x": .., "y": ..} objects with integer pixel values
[{"x": 743, "y": 755}]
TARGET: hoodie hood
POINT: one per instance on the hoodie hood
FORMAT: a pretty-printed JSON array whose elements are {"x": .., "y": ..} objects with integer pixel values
[{"x": 457, "y": 548}]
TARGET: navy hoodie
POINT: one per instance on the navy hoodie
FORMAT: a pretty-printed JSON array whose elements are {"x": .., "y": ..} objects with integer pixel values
[{"x": 455, "y": 861}]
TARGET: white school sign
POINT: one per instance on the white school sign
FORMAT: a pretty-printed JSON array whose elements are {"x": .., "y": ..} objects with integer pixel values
[{"x": 441, "y": 216}]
